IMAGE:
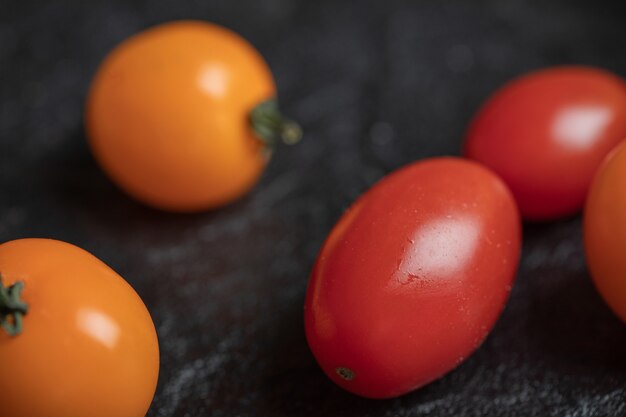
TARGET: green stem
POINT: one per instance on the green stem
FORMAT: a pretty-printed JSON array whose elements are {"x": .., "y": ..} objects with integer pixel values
[
  {"x": 270, "y": 125},
  {"x": 12, "y": 308}
]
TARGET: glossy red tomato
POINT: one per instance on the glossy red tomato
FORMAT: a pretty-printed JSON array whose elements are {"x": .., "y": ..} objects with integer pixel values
[
  {"x": 605, "y": 230},
  {"x": 547, "y": 132},
  {"x": 412, "y": 277}
]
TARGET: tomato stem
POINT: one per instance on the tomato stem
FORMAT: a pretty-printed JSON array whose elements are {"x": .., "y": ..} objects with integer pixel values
[
  {"x": 12, "y": 308},
  {"x": 270, "y": 125}
]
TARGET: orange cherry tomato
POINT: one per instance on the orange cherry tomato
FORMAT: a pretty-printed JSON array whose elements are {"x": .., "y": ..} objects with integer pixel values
[
  {"x": 86, "y": 345},
  {"x": 605, "y": 230},
  {"x": 183, "y": 116}
]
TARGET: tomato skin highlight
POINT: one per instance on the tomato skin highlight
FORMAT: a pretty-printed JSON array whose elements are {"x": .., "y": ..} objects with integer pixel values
[
  {"x": 88, "y": 345},
  {"x": 167, "y": 116},
  {"x": 546, "y": 132},
  {"x": 605, "y": 230},
  {"x": 412, "y": 277}
]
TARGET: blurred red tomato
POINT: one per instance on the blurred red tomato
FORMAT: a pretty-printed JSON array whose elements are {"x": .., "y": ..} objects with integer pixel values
[
  {"x": 546, "y": 133},
  {"x": 605, "y": 230},
  {"x": 413, "y": 277}
]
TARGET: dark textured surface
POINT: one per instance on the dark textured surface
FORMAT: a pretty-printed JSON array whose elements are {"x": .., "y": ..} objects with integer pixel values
[{"x": 375, "y": 85}]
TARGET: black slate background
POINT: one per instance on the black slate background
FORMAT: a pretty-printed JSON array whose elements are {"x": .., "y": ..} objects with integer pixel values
[{"x": 376, "y": 85}]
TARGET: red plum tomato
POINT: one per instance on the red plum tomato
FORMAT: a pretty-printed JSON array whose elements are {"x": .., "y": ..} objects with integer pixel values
[{"x": 413, "y": 276}]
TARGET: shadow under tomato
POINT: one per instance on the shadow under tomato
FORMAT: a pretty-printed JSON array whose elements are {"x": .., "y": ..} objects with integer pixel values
[
  {"x": 574, "y": 331},
  {"x": 75, "y": 182},
  {"x": 293, "y": 383},
  {"x": 568, "y": 326}
]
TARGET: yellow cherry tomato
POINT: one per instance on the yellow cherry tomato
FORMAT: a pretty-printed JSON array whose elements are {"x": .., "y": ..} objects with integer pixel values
[
  {"x": 75, "y": 339},
  {"x": 183, "y": 116},
  {"x": 605, "y": 230}
]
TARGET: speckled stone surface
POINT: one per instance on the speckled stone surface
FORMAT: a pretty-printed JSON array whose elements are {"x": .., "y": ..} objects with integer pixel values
[{"x": 375, "y": 85}]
